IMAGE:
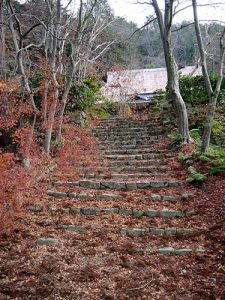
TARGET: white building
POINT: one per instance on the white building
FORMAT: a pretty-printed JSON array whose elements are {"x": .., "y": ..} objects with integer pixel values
[{"x": 121, "y": 84}]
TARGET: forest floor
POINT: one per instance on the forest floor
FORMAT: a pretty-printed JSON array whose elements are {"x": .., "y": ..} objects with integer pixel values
[{"x": 104, "y": 264}]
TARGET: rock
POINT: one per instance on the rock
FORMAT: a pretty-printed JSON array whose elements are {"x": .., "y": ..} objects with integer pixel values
[
  {"x": 112, "y": 185},
  {"x": 173, "y": 183},
  {"x": 47, "y": 222},
  {"x": 143, "y": 184},
  {"x": 56, "y": 194},
  {"x": 72, "y": 195},
  {"x": 183, "y": 251},
  {"x": 169, "y": 198},
  {"x": 125, "y": 212},
  {"x": 166, "y": 213},
  {"x": 75, "y": 210},
  {"x": 155, "y": 197},
  {"x": 95, "y": 185},
  {"x": 123, "y": 176},
  {"x": 65, "y": 210},
  {"x": 79, "y": 118},
  {"x": 138, "y": 213},
  {"x": 84, "y": 196},
  {"x": 110, "y": 196},
  {"x": 157, "y": 231},
  {"x": 89, "y": 211},
  {"x": 170, "y": 230},
  {"x": 187, "y": 196},
  {"x": 85, "y": 184},
  {"x": 131, "y": 185},
  {"x": 190, "y": 213},
  {"x": 184, "y": 230},
  {"x": 76, "y": 228},
  {"x": 157, "y": 184},
  {"x": 151, "y": 213},
  {"x": 113, "y": 210},
  {"x": 166, "y": 250},
  {"x": 52, "y": 209},
  {"x": 200, "y": 249},
  {"x": 47, "y": 242},
  {"x": 35, "y": 208},
  {"x": 137, "y": 231}
]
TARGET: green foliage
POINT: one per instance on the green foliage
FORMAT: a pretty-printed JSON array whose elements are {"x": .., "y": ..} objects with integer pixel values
[
  {"x": 176, "y": 143},
  {"x": 212, "y": 161},
  {"x": 196, "y": 176},
  {"x": 216, "y": 159},
  {"x": 150, "y": 66},
  {"x": 104, "y": 109},
  {"x": 193, "y": 89},
  {"x": 83, "y": 96},
  {"x": 218, "y": 131},
  {"x": 196, "y": 135}
]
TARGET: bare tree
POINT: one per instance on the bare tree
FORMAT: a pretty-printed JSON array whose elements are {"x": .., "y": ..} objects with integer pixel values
[
  {"x": 212, "y": 93},
  {"x": 165, "y": 25},
  {"x": 2, "y": 41}
]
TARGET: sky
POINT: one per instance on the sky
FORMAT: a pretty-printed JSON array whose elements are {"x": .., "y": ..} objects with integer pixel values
[{"x": 137, "y": 13}]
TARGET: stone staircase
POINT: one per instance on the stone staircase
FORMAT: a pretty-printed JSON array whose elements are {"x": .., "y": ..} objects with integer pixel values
[{"x": 131, "y": 191}]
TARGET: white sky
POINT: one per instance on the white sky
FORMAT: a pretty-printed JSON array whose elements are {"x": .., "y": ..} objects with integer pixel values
[{"x": 137, "y": 13}]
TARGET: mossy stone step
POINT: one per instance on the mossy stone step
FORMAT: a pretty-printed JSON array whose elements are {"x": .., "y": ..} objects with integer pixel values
[
  {"x": 122, "y": 175},
  {"x": 127, "y": 136},
  {"x": 121, "y": 185},
  {"x": 127, "y": 147},
  {"x": 152, "y": 213},
  {"x": 47, "y": 242},
  {"x": 128, "y": 141},
  {"x": 144, "y": 162},
  {"x": 129, "y": 231},
  {"x": 138, "y": 156},
  {"x": 137, "y": 151}
]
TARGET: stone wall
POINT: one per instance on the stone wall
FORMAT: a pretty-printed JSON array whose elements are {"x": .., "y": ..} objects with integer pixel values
[{"x": 130, "y": 82}]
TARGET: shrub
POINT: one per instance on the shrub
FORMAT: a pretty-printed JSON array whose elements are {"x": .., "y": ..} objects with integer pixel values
[{"x": 193, "y": 89}]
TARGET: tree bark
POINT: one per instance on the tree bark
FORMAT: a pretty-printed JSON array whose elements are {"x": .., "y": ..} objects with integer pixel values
[
  {"x": 212, "y": 94},
  {"x": 165, "y": 26}
]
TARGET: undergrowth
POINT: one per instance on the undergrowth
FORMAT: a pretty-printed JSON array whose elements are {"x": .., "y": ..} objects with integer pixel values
[{"x": 201, "y": 165}]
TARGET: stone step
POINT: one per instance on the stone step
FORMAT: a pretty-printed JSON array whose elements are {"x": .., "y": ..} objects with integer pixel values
[
  {"x": 138, "y": 156},
  {"x": 130, "y": 130},
  {"x": 137, "y": 151},
  {"x": 131, "y": 231},
  {"x": 111, "y": 146},
  {"x": 124, "y": 121},
  {"x": 122, "y": 176},
  {"x": 148, "y": 162},
  {"x": 138, "y": 213},
  {"x": 118, "y": 185},
  {"x": 115, "y": 196},
  {"x": 131, "y": 134},
  {"x": 49, "y": 241},
  {"x": 135, "y": 139},
  {"x": 136, "y": 142},
  {"x": 121, "y": 169},
  {"x": 131, "y": 137}
]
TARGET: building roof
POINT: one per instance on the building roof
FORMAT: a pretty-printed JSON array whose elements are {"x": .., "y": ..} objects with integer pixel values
[{"x": 142, "y": 81}]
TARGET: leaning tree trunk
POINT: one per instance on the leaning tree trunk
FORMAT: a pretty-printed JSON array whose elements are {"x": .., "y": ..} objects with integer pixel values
[
  {"x": 165, "y": 27},
  {"x": 212, "y": 94},
  {"x": 174, "y": 92}
]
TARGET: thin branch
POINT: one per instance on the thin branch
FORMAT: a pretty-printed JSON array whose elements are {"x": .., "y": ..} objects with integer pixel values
[
  {"x": 142, "y": 27},
  {"x": 192, "y": 23}
]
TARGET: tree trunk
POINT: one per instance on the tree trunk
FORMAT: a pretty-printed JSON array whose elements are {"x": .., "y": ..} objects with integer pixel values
[
  {"x": 165, "y": 26},
  {"x": 174, "y": 92},
  {"x": 2, "y": 43},
  {"x": 212, "y": 94}
]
